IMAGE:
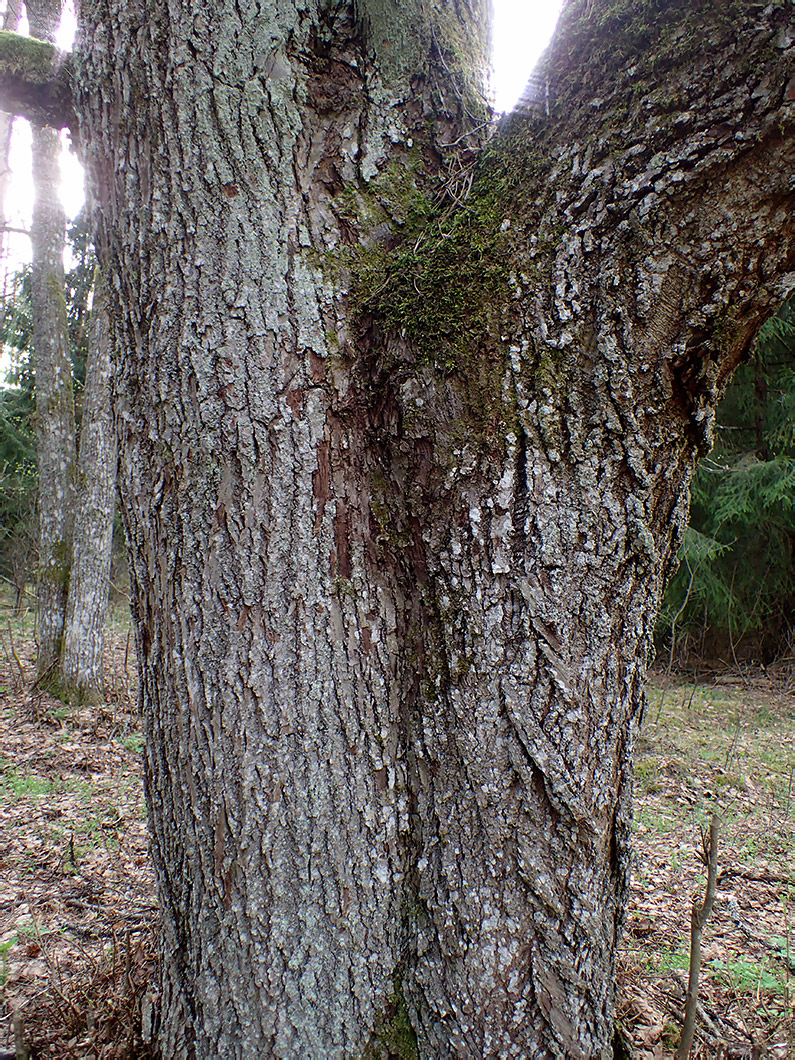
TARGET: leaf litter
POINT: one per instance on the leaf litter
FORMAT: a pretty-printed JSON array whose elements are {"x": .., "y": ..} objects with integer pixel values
[
  {"x": 726, "y": 747},
  {"x": 78, "y": 914}
]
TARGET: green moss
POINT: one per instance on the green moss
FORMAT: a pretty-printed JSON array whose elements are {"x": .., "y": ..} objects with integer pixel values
[
  {"x": 409, "y": 38},
  {"x": 551, "y": 370},
  {"x": 57, "y": 298},
  {"x": 57, "y": 570},
  {"x": 438, "y": 286},
  {"x": 725, "y": 331},
  {"x": 634, "y": 43},
  {"x": 69, "y": 692},
  {"x": 394, "y": 1037},
  {"x": 395, "y": 196},
  {"x": 398, "y": 37},
  {"x": 26, "y": 58}
]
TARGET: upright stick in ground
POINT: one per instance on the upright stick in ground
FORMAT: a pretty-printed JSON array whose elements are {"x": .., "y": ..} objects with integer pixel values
[{"x": 698, "y": 918}]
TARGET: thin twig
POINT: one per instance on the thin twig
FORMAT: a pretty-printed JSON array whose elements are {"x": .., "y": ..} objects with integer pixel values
[
  {"x": 756, "y": 877},
  {"x": 469, "y": 132},
  {"x": 27, "y": 592},
  {"x": 733, "y": 744},
  {"x": 716, "y": 1023},
  {"x": 14, "y": 653},
  {"x": 45, "y": 674}
]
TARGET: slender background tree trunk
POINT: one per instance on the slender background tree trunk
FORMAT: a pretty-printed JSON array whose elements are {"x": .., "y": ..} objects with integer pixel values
[
  {"x": 10, "y": 23},
  {"x": 81, "y": 658},
  {"x": 55, "y": 428}
]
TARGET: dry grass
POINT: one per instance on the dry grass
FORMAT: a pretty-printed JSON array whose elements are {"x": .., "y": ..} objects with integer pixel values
[
  {"x": 729, "y": 748},
  {"x": 77, "y": 910}
]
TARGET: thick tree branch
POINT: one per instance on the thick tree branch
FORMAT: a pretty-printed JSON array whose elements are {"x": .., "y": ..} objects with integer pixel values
[{"x": 35, "y": 81}]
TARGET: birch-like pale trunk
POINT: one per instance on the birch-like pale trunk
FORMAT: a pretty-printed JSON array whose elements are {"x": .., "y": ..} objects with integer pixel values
[
  {"x": 55, "y": 426},
  {"x": 405, "y": 448},
  {"x": 81, "y": 674},
  {"x": 10, "y": 23}
]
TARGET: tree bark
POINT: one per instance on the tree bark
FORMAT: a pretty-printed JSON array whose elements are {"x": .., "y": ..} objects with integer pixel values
[
  {"x": 81, "y": 676},
  {"x": 406, "y": 433},
  {"x": 55, "y": 429}
]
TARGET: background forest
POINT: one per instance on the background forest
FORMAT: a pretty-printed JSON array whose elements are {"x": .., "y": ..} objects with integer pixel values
[
  {"x": 18, "y": 462},
  {"x": 734, "y": 593}
]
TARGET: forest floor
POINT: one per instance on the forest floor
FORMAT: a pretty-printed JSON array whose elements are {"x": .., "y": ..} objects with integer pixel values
[
  {"x": 78, "y": 917},
  {"x": 724, "y": 746}
]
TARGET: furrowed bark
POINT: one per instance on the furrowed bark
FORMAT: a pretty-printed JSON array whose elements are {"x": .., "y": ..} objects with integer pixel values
[
  {"x": 646, "y": 246},
  {"x": 81, "y": 676},
  {"x": 402, "y": 478},
  {"x": 269, "y": 631}
]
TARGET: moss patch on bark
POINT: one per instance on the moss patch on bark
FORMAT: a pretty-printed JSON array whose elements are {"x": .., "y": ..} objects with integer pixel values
[
  {"x": 394, "y": 1037},
  {"x": 442, "y": 284}
]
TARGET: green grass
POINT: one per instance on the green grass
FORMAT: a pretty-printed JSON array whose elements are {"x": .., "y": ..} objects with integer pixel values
[
  {"x": 731, "y": 751},
  {"x": 21, "y": 785},
  {"x": 661, "y": 962},
  {"x": 5, "y": 947},
  {"x": 748, "y": 975},
  {"x": 133, "y": 742}
]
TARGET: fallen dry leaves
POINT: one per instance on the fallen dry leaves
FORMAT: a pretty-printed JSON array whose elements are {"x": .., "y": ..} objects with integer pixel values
[
  {"x": 77, "y": 905},
  {"x": 726, "y": 747},
  {"x": 78, "y": 915}
]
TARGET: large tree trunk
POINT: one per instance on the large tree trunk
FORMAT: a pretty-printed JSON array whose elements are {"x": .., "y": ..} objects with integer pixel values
[
  {"x": 55, "y": 427},
  {"x": 271, "y": 635},
  {"x": 81, "y": 677},
  {"x": 402, "y": 476}
]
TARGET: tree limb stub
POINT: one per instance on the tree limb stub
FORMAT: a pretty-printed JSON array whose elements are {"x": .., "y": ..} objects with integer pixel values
[{"x": 35, "y": 81}]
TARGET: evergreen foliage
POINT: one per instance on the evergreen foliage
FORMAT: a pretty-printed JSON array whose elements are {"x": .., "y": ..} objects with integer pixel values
[
  {"x": 18, "y": 474},
  {"x": 735, "y": 589},
  {"x": 18, "y": 480},
  {"x": 18, "y": 469}
]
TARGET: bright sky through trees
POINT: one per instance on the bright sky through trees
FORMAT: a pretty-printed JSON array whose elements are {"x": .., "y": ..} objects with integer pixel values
[{"x": 522, "y": 29}]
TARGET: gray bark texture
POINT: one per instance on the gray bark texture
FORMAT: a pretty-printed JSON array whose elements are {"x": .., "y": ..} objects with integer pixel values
[
  {"x": 406, "y": 426},
  {"x": 55, "y": 427},
  {"x": 81, "y": 675}
]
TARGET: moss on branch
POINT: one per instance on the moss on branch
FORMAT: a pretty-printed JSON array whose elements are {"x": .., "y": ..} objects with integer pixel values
[
  {"x": 35, "y": 81},
  {"x": 26, "y": 57}
]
